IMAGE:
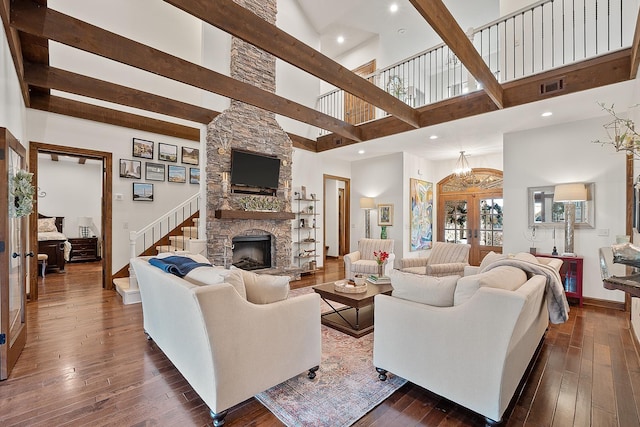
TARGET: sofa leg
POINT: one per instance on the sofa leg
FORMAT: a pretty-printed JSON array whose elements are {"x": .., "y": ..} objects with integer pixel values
[
  {"x": 382, "y": 374},
  {"x": 312, "y": 372},
  {"x": 218, "y": 419},
  {"x": 488, "y": 422}
]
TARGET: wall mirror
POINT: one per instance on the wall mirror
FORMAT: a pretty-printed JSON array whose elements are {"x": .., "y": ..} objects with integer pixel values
[{"x": 543, "y": 212}]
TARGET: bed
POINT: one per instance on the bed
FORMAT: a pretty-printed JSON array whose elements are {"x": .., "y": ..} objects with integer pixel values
[{"x": 53, "y": 242}]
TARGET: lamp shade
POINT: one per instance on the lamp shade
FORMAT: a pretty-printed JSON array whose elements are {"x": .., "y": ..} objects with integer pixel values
[
  {"x": 85, "y": 221},
  {"x": 570, "y": 193},
  {"x": 367, "y": 203}
]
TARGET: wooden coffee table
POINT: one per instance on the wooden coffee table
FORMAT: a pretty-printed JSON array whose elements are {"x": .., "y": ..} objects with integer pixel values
[{"x": 356, "y": 319}]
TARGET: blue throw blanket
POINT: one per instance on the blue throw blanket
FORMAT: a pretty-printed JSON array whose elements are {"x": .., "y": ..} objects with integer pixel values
[{"x": 178, "y": 265}]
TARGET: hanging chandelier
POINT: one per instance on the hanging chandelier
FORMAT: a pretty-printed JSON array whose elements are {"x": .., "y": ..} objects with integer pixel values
[{"x": 462, "y": 166}]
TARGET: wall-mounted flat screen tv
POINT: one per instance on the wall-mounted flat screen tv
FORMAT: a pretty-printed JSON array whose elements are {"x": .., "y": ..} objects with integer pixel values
[{"x": 254, "y": 170}]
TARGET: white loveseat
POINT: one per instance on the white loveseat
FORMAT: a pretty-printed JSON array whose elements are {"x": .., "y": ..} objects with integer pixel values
[
  {"x": 226, "y": 346},
  {"x": 467, "y": 339}
]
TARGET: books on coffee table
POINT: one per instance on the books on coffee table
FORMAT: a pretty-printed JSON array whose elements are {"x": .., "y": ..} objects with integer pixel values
[{"x": 378, "y": 280}]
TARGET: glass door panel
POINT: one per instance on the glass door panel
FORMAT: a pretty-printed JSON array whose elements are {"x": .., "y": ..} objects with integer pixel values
[
  {"x": 13, "y": 258},
  {"x": 456, "y": 228}
]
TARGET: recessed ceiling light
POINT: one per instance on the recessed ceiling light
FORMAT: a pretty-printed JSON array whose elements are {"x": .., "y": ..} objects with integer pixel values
[
  {"x": 547, "y": 114},
  {"x": 360, "y": 151},
  {"x": 433, "y": 137},
  {"x": 393, "y": 8},
  {"x": 340, "y": 39}
]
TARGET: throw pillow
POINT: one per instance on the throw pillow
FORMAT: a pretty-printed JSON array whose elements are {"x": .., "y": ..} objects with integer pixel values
[
  {"x": 264, "y": 288},
  {"x": 46, "y": 225},
  {"x": 490, "y": 258},
  {"x": 436, "y": 291},
  {"x": 502, "y": 277}
]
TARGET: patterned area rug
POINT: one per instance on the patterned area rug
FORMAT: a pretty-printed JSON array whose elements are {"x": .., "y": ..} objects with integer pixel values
[{"x": 346, "y": 386}]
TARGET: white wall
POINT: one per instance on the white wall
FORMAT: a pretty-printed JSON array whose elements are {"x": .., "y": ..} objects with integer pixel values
[
  {"x": 561, "y": 154},
  {"x": 291, "y": 82},
  {"x": 72, "y": 190},
  {"x": 127, "y": 215},
  {"x": 12, "y": 110}
]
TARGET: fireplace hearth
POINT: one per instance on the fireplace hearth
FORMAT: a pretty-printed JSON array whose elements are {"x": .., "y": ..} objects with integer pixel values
[{"x": 252, "y": 252}]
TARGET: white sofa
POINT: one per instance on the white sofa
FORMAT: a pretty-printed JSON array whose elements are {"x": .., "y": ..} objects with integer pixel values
[
  {"x": 227, "y": 347},
  {"x": 467, "y": 339}
]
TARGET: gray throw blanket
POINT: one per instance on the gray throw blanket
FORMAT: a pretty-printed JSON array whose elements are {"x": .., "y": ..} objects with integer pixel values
[{"x": 556, "y": 299}]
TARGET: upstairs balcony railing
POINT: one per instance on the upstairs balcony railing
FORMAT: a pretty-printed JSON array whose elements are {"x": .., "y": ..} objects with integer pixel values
[{"x": 537, "y": 38}]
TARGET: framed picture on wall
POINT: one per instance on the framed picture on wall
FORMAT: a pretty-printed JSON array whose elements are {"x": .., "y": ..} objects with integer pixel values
[
  {"x": 154, "y": 171},
  {"x": 142, "y": 192},
  {"x": 168, "y": 152},
  {"x": 130, "y": 169},
  {"x": 194, "y": 175},
  {"x": 420, "y": 214},
  {"x": 385, "y": 214},
  {"x": 177, "y": 173},
  {"x": 142, "y": 148},
  {"x": 190, "y": 156}
]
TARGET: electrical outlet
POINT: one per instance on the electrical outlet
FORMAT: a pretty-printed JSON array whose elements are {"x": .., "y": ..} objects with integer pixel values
[
  {"x": 119, "y": 197},
  {"x": 603, "y": 232}
]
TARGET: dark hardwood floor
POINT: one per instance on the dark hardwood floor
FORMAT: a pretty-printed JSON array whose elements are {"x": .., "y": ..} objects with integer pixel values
[{"x": 87, "y": 362}]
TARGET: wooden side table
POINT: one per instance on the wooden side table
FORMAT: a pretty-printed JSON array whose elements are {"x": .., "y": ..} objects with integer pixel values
[
  {"x": 84, "y": 249},
  {"x": 571, "y": 275}
]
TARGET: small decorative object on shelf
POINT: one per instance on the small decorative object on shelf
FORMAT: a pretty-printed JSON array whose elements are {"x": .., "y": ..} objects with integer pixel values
[
  {"x": 383, "y": 231},
  {"x": 261, "y": 203},
  {"x": 378, "y": 280},
  {"x": 305, "y": 243}
]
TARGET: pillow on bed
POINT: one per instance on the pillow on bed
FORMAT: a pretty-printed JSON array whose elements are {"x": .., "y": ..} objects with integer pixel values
[{"x": 46, "y": 224}]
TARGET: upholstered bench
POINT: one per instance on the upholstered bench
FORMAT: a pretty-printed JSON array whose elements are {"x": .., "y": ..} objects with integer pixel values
[{"x": 42, "y": 262}]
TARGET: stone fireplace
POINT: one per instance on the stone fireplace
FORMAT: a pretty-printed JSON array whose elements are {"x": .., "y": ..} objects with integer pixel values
[
  {"x": 252, "y": 252},
  {"x": 250, "y": 128}
]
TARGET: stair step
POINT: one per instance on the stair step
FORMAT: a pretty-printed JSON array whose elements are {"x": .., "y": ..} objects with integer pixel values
[
  {"x": 178, "y": 241},
  {"x": 129, "y": 296},
  {"x": 167, "y": 248},
  {"x": 190, "y": 232}
]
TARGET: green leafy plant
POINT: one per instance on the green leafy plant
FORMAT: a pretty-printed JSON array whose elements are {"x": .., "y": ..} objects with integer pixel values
[{"x": 22, "y": 191}]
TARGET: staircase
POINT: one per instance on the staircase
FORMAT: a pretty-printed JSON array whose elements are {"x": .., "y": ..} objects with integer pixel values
[{"x": 176, "y": 232}]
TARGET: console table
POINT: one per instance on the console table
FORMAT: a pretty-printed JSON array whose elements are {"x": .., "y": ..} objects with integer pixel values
[{"x": 571, "y": 275}]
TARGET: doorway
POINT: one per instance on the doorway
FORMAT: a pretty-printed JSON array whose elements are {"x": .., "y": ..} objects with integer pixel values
[
  {"x": 356, "y": 110},
  {"x": 471, "y": 208},
  {"x": 105, "y": 226},
  {"x": 337, "y": 191}
]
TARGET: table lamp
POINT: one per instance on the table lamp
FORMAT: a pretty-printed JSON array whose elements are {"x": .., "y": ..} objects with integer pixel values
[
  {"x": 367, "y": 203},
  {"x": 569, "y": 194},
  {"x": 85, "y": 222}
]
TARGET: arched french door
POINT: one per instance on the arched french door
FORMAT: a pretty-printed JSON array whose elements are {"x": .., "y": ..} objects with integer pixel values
[{"x": 470, "y": 210}]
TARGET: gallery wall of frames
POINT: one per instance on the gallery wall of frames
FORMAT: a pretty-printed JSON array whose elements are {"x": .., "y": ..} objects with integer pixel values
[{"x": 158, "y": 162}]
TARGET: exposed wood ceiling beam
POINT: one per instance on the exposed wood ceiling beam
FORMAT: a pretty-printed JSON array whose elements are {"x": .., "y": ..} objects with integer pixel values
[
  {"x": 597, "y": 72},
  {"x": 44, "y": 22},
  {"x": 13, "y": 40},
  {"x": 635, "y": 50},
  {"x": 443, "y": 23},
  {"x": 246, "y": 25},
  {"x": 67, "y": 81},
  {"x": 83, "y": 110}
]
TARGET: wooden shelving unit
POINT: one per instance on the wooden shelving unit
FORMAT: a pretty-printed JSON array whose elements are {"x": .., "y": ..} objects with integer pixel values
[{"x": 305, "y": 247}]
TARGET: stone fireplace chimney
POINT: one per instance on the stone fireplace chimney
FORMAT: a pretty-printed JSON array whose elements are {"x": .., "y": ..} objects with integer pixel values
[{"x": 249, "y": 128}]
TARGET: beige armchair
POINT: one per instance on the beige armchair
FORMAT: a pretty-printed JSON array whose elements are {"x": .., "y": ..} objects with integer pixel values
[
  {"x": 445, "y": 259},
  {"x": 363, "y": 261}
]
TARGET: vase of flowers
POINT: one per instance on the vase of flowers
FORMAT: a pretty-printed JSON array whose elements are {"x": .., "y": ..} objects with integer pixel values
[{"x": 381, "y": 258}]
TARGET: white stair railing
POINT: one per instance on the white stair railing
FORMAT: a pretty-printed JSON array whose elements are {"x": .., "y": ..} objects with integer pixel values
[{"x": 143, "y": 239}]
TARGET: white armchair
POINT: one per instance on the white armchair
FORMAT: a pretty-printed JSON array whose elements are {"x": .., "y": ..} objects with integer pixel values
[
  {"x": 363, "y": 261},
  {"x": 445, "y": 259}
]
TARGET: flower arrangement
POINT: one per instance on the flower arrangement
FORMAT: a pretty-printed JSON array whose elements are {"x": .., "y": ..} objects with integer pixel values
[
  {"x": 22, "y": 190},
  {"x": 381, "y": 256}
]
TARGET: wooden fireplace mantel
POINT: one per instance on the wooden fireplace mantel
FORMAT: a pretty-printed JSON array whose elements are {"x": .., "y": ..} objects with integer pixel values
[{"x": 238, "y": 214}]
